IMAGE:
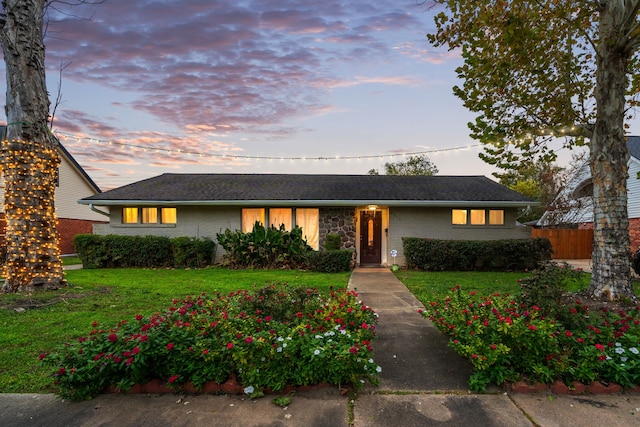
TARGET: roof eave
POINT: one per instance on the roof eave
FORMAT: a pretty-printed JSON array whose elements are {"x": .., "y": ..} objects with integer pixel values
[{"x": 315, "y": 203}]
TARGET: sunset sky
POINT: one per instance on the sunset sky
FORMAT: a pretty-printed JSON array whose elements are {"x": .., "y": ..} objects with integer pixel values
[{"x": 258, "y": 80}]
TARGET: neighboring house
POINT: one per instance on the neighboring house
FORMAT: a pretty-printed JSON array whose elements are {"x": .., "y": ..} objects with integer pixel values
[
  {"x": 372, "y": 213},
  {"x": 580, "y": 190},
  {"x": 73, "y": 183}
]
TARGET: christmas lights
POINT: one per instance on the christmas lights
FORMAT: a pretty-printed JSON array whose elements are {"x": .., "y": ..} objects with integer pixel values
[{"x": 33, "y": 257}]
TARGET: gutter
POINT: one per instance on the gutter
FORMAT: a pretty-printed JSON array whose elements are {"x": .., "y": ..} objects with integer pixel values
[{"x": 93, "y": 208}]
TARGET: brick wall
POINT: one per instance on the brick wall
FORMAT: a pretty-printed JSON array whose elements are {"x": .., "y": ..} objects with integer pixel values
[
  {"x": 634, "y": 232},
  {"x": 67, "y": 229}
]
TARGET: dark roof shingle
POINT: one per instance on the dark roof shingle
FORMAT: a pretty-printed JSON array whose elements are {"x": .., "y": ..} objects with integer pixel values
[{"x": 230, "y": 188}]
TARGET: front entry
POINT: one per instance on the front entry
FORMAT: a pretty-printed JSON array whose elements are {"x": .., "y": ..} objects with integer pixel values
[{"x": 370, "y": 237}]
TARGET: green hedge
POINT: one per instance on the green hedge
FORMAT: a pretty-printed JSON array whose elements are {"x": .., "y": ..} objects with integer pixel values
[
  {"x": 475, "y": 255},
  {"x": 113, "y": 251},
  {"x": 331, "y": 261}
]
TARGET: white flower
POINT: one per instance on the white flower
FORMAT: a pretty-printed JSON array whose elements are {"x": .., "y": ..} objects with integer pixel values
[
  {"x": 619, "y": 350},
  {"x": 343, "y": 331},
  {"x": 618, "y": 344},
  {"x": 280, "y": 339},
  {"x": 370, "y": 360},
  {"x": 284, "y": 344},
  {"x": 608, "y": 357},
  {"x": 624, "y": 358},
  {"x": 249, "y": 390},
  {"x": 378, "y": 369},
  {"x": 332, "y": 333},
  {"x": 318, "y": 337},
  {"x": 634, "y": 350},
  {"x": 279, "y": 349},
  {"x": 316, "y": 352}
]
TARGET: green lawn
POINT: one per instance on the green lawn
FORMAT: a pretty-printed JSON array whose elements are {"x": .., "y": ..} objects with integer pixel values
[{"x": 108, "y": 296}]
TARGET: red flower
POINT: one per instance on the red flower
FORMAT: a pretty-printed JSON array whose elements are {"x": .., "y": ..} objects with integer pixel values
[
  {"x": 129, "y": 361},
  {"x": 135, "y": 350},
  {"x": 205, "y": 351},
  {"x": 138, "y": 316},
  {"x": 170, "y": 346},
  {"x": 230, "y": 346},
  {"x": 568, "y": 333},
  {"x": 532, "y": 327},
  {"x": 113, "y": 338},
  {"x": 600, "y": 347},
  {"x": 248, "y": 340},
  {"x": 172, "y": 379},
  {"x": 475, "y": 356},
  {"x": 493, "y": 346}
]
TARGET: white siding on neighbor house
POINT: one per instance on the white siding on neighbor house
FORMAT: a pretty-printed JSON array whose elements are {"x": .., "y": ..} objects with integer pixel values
[
  {"x": 633, "y": 189},
  {"x": 71, "y": 187},
  {"x": 192, "y": 221},
  {"x": 435, "y": 223}
]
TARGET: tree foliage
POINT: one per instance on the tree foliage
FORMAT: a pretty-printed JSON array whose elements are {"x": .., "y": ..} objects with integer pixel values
[
  {"x": 414, "y": 165},
  {"x": 538, "y": 71}
]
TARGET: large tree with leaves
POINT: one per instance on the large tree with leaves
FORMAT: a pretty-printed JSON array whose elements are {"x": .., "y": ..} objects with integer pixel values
[
  {"x": 536, "y": 71},
  {"x": 414, "y": 165}
]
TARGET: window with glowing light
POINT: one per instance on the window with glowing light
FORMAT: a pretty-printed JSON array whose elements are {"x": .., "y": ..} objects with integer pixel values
[
  {"x": 477, "y": 217},
  {"x": 130, "y": 215},
  {"x": 250, "y": 216},
  {"x": 151, "y": 216}
]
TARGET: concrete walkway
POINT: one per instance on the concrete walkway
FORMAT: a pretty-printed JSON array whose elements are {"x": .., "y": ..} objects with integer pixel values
[{"x": 423, "y": 383}]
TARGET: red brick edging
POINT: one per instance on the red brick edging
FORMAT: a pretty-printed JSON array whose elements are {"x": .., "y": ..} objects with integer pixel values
[
  {"x": 559, "y": 387},
  {"x": 231, "y": 386}
]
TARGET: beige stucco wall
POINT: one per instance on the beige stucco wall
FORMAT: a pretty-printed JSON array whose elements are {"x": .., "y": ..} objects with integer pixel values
[{"x": 435, "y": 223}]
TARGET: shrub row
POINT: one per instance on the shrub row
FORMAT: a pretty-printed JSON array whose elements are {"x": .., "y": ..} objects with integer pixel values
[
  {"x": 475, "y": 255},
  {"x": 113, "y": 251}
]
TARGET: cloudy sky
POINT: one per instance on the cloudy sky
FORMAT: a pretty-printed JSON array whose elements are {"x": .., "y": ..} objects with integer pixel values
[{"x": 253, "y": 86}]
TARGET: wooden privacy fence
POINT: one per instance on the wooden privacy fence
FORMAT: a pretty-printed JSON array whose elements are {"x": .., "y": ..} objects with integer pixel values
[{"x": 567, "y": 243}]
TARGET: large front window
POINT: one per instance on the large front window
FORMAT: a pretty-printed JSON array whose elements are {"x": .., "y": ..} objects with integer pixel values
[{"x": 306, "y": 218}]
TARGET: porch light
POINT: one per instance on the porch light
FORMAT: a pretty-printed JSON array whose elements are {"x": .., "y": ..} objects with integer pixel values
[{"x": 373, "y": 207}]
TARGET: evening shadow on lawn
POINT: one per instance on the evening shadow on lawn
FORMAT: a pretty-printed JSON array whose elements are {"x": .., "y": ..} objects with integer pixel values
[{"x": 28, "y": 302}]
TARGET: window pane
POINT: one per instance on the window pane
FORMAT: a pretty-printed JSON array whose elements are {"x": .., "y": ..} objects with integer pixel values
[
  {"x": 249, "y": 218},
  {"x": 130, "y": 215},
  {"x": 149, "y": 215},
  {"x": 459, "y": 216},
  {"x": 278, "y": 216},
  {"x": 496, "y": 217},
  {"x": 477, "y": 217},
  {"x": 309, "y": 221},
  {"x": 169, "y": 216}
]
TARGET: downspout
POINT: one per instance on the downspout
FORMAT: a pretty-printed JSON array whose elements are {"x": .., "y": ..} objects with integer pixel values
[{"x": 98, "y": 210}]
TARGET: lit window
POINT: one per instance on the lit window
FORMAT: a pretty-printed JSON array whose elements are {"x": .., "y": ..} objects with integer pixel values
[
  {"x": 279, "y": 216},
  {"x": 149, "y": 215},
  {"x": 130, "y": 215},
  {"x": 309, "y": 221},
  {"x": 250, "y": 217},
  {"x": 496, "y": 217},
  {"x": 168, "y": 215},
  {"x": 459, "y": 216},
  {"x": 477, "y": 217}
]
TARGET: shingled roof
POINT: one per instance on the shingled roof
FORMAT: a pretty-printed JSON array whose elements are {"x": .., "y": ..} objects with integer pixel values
[{"x": 307, "y": 190}]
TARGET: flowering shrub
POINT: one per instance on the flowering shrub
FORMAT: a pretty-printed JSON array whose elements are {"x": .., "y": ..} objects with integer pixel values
[
  {"x": 268, "y": 338},
  {"x": 506, "y": 340}
]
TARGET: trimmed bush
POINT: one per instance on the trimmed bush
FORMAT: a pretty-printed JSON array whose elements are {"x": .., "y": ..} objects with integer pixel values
[
  {"x": 113, "y": 251},
  {"x": 332, "y": 242},
  {"x": 331, "y": 261},
  {"x": 476, "y": 255}
]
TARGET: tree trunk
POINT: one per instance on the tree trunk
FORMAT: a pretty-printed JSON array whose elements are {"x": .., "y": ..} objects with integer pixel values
[
  {"x": 611, "y": 278},
  {"x": 28, "y": 156}
]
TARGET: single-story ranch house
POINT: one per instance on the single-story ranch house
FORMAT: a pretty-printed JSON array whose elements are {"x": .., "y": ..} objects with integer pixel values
[{"x": 372, "y": 213}]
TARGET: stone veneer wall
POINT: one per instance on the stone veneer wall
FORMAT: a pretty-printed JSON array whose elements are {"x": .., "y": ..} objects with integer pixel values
[{"x": 338, "y": 221}]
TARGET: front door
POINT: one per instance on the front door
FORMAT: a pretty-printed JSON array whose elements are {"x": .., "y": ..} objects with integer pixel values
[{"x": 370, "y": 237}]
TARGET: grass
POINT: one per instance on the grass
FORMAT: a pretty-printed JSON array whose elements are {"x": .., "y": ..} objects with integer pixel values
[{"x": 49, "y": 319}]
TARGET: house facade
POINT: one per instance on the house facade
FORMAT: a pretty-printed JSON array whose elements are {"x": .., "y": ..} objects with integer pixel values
[
  {"x": 371, "y": 213},
  {"x": 73, "y": 183}
]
